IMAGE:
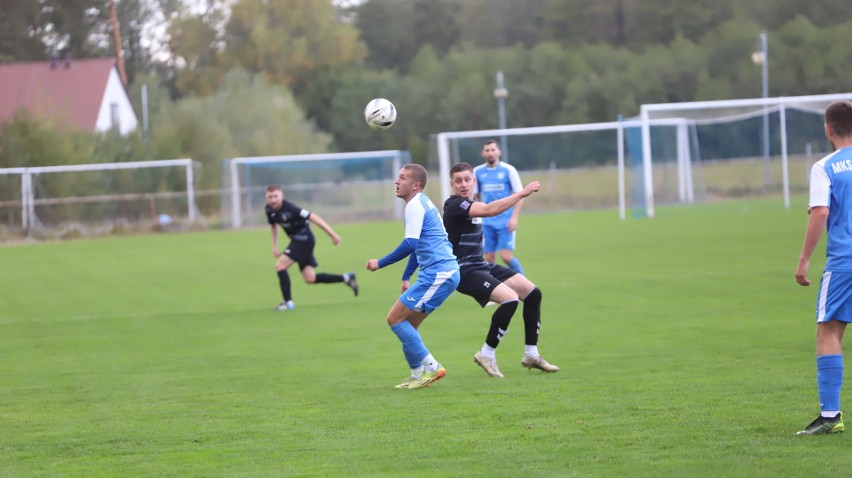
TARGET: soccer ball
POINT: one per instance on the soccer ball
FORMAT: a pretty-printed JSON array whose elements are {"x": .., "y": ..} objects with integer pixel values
[{"x": 380, "y": 114}]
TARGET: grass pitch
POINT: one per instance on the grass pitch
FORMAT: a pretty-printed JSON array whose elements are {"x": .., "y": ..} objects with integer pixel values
[{"x": 686, "y": 349}]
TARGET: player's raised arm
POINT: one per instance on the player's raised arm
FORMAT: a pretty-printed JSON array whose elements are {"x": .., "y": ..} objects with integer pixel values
[{"x": 480, "y": 209}]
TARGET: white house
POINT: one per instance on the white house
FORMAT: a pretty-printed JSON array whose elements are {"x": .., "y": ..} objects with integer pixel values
[{"x": 85, "y": 94}]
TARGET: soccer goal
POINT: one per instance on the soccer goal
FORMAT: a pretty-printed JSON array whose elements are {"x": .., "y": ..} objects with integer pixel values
[
  {"x": 581, "y": 166},
  {"x": 731, "y": 148},
  {"x": 672, "y": 153},
  {"x": 338, "y": 186},
  {"x": 86, "y": 199}
]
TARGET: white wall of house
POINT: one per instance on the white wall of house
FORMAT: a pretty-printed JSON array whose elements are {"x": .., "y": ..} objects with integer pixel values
[{"x": 116, "y": 107}]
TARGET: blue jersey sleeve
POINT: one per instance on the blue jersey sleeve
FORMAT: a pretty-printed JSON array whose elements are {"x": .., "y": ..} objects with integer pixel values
[
  {"x": 410, "y": 267},
  {"x": 405, "y": 248}
]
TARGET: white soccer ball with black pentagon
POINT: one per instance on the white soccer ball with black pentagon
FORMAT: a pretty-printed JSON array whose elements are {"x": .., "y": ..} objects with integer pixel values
[{"x": 380, "y": 114}]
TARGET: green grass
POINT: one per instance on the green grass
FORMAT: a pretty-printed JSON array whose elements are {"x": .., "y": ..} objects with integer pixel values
[{"x": 686, "y": 349}]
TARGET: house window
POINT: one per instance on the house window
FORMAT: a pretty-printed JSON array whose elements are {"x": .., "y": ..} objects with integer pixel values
[{"x": 113, "y": 115}]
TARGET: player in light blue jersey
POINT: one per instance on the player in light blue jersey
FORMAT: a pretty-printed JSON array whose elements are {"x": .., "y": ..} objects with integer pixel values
[
  {"x": 830, "y": 207},
  {"x": 426, "y": 245},
  {"x": 496, "y": 180}
]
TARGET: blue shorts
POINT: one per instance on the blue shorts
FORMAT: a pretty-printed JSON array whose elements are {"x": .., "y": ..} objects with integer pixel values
[
  {"x": 430, "y": 290},
  {"x": 834, "y": 301},
  {"x": 497, "y": 238}
]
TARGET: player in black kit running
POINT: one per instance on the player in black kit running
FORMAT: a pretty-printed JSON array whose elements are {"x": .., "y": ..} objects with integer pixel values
[{"x": 295, "y": 222}]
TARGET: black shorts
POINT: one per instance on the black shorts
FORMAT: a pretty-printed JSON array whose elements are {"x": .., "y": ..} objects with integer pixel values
[
  {"x": 302, "y": 252},
  {"x": 478, "y": 281}
]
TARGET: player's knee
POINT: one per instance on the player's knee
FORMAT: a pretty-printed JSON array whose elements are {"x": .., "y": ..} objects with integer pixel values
[
  {"x": 507, "y": 256},
  {"x": 533, "y": 296}
]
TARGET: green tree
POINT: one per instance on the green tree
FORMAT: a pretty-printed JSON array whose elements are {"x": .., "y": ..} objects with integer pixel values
[
  {"x": 17, "y": 40},
  {"x": 29, "y": 142},
  {"x": 436, "y": 23},
  {"x": 810, "y": 59},
  {"x": 386, "y": 28},
  {"x": 501, "y": 23},
  {"x": 245, "y": 116},
  {"x": 289, "y": 41},
  {"x": 135, "y": 17},
  {"x": 195, "y": 48},
  {"x": 660, "y": 22},
  {"x": 772, "y": 14},
  {"x": 731, "y": 72},
  {"x": 577, "y": 21},
  {"x": 67, "y": 26}
]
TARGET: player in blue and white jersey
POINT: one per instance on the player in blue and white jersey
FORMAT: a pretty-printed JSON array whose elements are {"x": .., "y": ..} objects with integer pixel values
[
  {"x": 485, "y": 281},
  {"x": 497, "y": 180},
  {"x": 830, "y": 208},
  {"x": 426, "y": 246},
  {"x": 295, "y": 222}
]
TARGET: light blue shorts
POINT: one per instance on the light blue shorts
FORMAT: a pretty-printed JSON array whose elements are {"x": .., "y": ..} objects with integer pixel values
[
  {"x": 834, "y": 301},
  {"x": 429, "y": 291},
  {"x": 497, "y": 238}
]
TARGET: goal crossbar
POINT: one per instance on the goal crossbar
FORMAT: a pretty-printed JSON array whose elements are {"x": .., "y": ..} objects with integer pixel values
[
  {"x": 781, "y": 103},
  {"x": 28, "y": 201},
  {"x": 618, "y": 126},
  {"x": 235, "y": 163}
]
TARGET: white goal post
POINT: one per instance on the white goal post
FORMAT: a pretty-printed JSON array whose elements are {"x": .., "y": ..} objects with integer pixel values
[
  {"x": 28, "y": 191},
  {"x": 678, "y": 153},
  {"x": 716, "y": 112},
  {"x": 447, "y": 158},
  {"x": 347, "y": 176}
]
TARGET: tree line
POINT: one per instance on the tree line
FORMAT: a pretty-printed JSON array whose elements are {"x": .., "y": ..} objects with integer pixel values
[{"x": 245, "y": 77}]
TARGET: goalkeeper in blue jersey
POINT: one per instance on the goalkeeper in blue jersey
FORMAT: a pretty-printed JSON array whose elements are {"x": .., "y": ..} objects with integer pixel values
[
  {"x": 496, "y": 180},
  {"x": 426, "y": 246},
  {"x": 830, "y": 207}
]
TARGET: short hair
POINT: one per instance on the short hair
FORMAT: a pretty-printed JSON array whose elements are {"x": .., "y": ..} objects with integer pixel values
[
  {"x": 418, "y": 173},
  {"x": 490, "y": 141},
  {"x": 838, "y": 116},
  {"x": 273, "y": 187},
  {"x": 460, "y": 167}
]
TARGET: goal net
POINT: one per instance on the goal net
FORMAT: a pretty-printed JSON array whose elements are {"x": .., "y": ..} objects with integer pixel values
[
  {"x": 672, "y": 153},
  {"x": 338, "y": 186},
  {"x": 732, "y": 148},
  {"x": 97, "y": 199},
  {"x": 581, "y": 166}
]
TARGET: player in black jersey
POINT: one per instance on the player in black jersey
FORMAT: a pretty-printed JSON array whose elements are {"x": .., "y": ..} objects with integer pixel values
[
  {"x": 296, "y": 223},
  {"x": 485, "y": 281}
]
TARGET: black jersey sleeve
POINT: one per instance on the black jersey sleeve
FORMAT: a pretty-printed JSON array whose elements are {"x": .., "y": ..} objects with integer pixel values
[
  {"x": 295, "y": 210},
  {"x": 457, "y": 207}
]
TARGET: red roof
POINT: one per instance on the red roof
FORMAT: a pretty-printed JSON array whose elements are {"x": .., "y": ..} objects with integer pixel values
[{"x": 69, "y": 92}]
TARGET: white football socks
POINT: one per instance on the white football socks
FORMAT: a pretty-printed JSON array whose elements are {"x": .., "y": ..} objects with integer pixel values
[{"x": 430, "y": 364}]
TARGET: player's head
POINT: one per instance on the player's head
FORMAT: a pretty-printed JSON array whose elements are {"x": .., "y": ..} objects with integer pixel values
[
  {"x": 411, "y": 180},
  {"x": 491, "y": 151},
  {"x": 274, "y": 196},
  {"x": 462, "y": 180},
  {"x": 838, "y": 122}
]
